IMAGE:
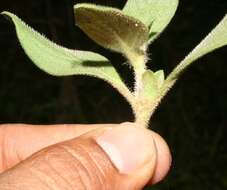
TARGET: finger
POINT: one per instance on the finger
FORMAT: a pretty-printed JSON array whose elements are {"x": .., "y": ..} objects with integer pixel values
[
  {"x": 164, "y": 159},
  {"x": 113, "y": 158},
  {"x": 19, "y": 141}
]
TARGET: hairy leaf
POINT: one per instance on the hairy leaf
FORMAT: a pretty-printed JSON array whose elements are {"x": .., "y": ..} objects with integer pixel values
[
  {"x": 150, "y": 84},
  {"x": 215, "y": 39},
  {"x": 160, "y": 78},
  {"x": 60, "y": 61},
  {"x": 155, "y": 14},
  {"x": 110, "y": 28}
]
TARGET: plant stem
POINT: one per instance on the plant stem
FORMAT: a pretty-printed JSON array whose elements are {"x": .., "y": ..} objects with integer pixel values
[
  {"x": 142, "y": 113},
  {"x": 138, "y": 82},
  {"x": 139, "y": 66},
  {"x": 141, "y": 109},
  {"x": 144, "y": 110}
]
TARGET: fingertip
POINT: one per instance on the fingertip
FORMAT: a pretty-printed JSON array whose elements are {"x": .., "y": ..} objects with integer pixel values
[{"x": 164, "y": 159}]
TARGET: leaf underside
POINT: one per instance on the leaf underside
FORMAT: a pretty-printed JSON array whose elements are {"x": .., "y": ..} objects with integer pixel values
[
  {"x": 60, "y": 61},
  {"x": 155, "y": 14},
  {"x": 215, "y": 39},
  {"x": 110, "y": 28}
]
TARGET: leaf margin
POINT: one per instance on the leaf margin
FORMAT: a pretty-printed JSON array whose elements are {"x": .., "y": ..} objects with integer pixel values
[{"x": 117, "y": 84}]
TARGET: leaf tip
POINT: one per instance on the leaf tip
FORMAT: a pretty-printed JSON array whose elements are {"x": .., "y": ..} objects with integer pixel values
[
  {"x": 85, "y": 5},
  {"x": 78, "y": 5},
  {"x": 3, "y": 12},
  {"x": 6, "y": 13},
  {"x": 9, "y": 16}
]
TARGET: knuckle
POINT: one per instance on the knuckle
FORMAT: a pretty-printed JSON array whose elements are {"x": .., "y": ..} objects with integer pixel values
[{"x": 79, "y": 164}]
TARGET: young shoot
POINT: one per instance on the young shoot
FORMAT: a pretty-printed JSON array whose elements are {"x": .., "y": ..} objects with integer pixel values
[{"x": 128, "y": 31}]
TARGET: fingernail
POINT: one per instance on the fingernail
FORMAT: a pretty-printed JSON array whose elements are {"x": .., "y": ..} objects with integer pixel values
[{"x": 129, "y": 147}]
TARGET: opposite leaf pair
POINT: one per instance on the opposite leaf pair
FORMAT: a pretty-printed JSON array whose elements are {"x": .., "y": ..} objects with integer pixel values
[{"x": 128, "y": 31}]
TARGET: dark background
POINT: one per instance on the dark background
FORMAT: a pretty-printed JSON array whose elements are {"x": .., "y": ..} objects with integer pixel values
[{"x": 192, "y": 118}]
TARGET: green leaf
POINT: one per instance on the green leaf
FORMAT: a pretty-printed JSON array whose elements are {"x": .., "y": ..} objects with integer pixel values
[
  {"x": 60, "y": 61},
  {"x": 155, "y": 14},
  {"x": 215, "y": 39},
  {"x": 110, "y": 28},
  {"x": 160, "y": 78},
  {"x": 150, "y": 84}
]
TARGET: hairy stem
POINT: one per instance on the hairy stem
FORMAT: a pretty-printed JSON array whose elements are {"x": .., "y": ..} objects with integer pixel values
[
  {"x": 141, "y": 109},
  {"x": 138, "y": 81},
  {"x": 142, "y": 113},
  {"x": 139, "y": 66}
]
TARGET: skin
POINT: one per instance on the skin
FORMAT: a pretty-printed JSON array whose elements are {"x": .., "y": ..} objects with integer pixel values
[{"x": 24, "y": 148}]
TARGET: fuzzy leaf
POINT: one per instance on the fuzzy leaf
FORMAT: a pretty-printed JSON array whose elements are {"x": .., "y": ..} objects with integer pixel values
[
  {"x": 60, "y": 61},
  {"x": 110, "y": 28},
  {"x": 214, "y": 40},
  {"x": 155, "y": 14},
  {"x": 150, "y": 85},
  {"x": 160, "y": 78}
]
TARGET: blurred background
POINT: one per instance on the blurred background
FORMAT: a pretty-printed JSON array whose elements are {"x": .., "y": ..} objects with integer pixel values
[{"x": 192, "y": 117}]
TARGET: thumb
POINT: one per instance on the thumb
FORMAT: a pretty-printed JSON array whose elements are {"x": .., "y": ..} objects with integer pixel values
[{"x": 119, "y": 158}]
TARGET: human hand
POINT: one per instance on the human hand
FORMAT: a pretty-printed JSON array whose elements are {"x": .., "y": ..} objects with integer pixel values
[{"x": 95, "y": 157}]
